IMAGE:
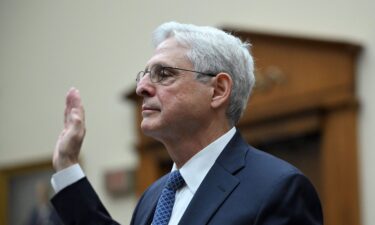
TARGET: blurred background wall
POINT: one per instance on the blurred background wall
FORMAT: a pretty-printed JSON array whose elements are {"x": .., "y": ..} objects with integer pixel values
[{"x": 98, "y": 46}]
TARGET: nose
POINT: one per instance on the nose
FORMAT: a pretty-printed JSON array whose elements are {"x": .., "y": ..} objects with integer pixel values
[{"x": 145, "y": 88}]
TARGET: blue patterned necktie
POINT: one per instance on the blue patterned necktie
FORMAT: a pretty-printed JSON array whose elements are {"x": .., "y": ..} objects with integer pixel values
[{"x": 166, "y": 200}]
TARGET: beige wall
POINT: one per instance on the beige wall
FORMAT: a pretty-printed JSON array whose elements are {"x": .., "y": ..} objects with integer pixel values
[{"x": 98, "y": 46}]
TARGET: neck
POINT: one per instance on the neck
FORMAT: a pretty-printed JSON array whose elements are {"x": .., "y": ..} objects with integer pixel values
[{"x": 181, "y": 148}]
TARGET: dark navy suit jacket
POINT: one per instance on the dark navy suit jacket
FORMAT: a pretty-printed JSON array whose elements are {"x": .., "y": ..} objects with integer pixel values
[{"x": 244, "y": 186}]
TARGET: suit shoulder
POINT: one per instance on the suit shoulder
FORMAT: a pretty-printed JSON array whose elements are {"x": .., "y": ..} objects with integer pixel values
[
  {"x": 272, "y": 174},
  {"x": 267, "y": 164}
]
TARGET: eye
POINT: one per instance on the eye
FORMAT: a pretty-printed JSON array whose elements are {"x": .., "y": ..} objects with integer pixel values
[
  {"x": 162, "y": 74},
  {"x": 165, "y": 73}
]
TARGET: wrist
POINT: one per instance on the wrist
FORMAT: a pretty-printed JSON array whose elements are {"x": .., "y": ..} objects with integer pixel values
[{"x": 63, "y": 162}]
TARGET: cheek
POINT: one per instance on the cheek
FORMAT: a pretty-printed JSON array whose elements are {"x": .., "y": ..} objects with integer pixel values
[
  {"x": 189, "y": 99},
  {"x": 174, "y": 105},
  {"x": 195, "y": 103}
]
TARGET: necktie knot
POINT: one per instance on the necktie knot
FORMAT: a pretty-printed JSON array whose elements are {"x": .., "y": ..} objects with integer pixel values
[{"x": 175, "y": 181}]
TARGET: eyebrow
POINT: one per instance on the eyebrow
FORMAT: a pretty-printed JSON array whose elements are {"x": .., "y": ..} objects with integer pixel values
[{"x": 159, "y": 64}]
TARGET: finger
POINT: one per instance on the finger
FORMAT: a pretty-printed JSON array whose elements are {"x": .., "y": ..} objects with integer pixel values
[
  {"x": 80, "y": 111},
  {"x": 76, "y": 104},
  {"x": 75, "y": 98},
  {"x": 76, "y": 118},
  {"x": 75, "y": 111},
  {"x": 68, "y": 105}
]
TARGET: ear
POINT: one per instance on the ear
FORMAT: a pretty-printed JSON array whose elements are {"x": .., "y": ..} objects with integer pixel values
[{"x": 222, "y": 87}]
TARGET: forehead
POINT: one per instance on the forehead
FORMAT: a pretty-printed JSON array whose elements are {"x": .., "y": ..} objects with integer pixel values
[{"x": 170, "y": 53}]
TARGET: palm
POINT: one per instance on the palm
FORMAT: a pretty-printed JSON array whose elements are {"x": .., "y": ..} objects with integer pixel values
[{"x": 70, "y": 139}]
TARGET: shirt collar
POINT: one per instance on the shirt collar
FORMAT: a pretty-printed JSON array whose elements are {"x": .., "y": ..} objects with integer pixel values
[{"x": 196, "y": 169}]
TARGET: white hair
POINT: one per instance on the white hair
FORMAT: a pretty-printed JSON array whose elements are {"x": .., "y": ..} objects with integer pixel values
[{"x": 213, "y": 51}]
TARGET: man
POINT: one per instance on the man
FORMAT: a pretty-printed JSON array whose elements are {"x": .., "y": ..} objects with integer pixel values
[{"x": 195, "y": 88}]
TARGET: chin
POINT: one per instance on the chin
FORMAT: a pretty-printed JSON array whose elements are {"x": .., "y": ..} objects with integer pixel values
[
  {"x": 153, "y": 130},
  {"x": 148, "y": 128}
]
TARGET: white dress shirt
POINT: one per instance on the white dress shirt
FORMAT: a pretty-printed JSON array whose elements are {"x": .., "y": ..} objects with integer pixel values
[{"x": 193, "y": 172}]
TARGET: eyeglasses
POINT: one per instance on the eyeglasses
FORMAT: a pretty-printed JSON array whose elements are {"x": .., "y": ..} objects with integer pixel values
[{"x": 163, "y": 74}]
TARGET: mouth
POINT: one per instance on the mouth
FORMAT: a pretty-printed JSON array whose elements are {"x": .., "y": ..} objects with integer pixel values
[{"x": 149, "y": 109}]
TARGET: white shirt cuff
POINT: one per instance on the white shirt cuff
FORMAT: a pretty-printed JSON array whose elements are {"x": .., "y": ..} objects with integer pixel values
[{"x": 66, "y": 177}]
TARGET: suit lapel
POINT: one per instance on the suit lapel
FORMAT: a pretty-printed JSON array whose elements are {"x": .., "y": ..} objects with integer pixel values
[
  {"x": 146, "y": 213},
  {"x": 149, "y": 212},
  {"x": 218, "y": 183}
]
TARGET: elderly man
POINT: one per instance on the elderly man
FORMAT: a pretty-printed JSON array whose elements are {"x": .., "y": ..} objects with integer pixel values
[{"x": 195, "y": 88}]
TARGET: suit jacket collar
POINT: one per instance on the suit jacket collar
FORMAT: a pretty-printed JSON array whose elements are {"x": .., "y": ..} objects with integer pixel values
[
  {"x": 218, "y": 184},
  {"x": 233, "y": 156}
]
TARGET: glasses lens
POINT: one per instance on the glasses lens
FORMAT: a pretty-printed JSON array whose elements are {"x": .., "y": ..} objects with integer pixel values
[
  {"x": 140, "y": 75},
  {"x": 157, "y": 73}
]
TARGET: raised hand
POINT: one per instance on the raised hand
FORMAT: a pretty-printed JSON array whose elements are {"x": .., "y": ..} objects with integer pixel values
[{"x": 71, "y": 137}]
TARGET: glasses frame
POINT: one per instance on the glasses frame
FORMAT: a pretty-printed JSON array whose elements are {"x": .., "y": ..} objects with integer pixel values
[{"x": 143, "y": 73}]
